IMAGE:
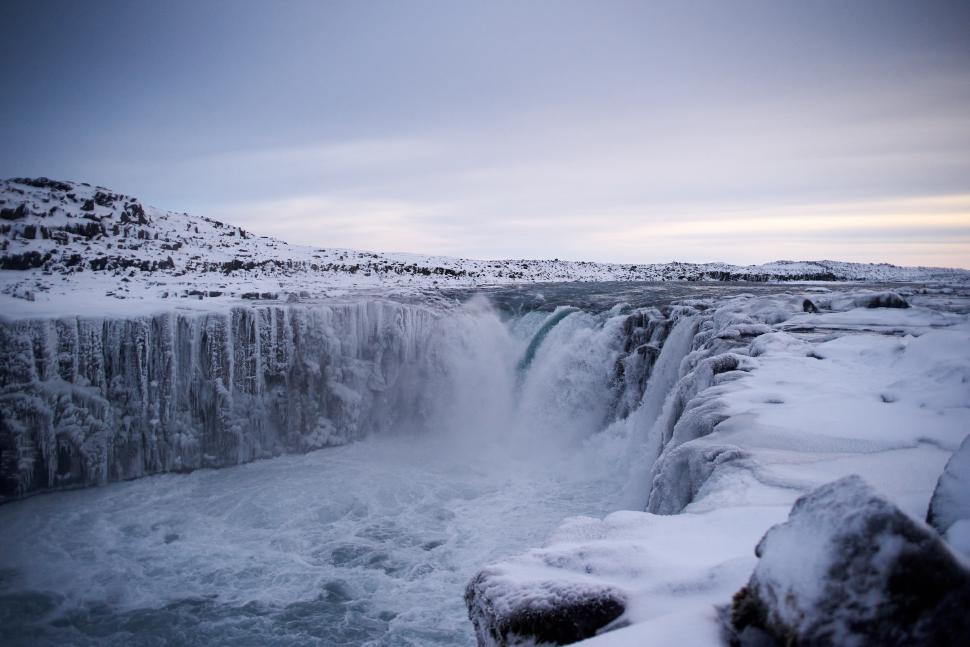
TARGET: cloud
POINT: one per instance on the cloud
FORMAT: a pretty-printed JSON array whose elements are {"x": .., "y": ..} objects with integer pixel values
[{"x": 375, "y": 225}]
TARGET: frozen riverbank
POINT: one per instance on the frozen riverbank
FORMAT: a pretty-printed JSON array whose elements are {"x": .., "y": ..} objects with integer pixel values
[{"x": 775, "y": 402}]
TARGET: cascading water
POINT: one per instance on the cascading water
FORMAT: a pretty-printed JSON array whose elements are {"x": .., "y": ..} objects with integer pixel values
[
  {"x": 480, "y": 435},
  {"x": 540, "y": 335}
]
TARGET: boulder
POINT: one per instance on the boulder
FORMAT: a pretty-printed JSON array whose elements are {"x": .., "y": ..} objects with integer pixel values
[
  {"x": 509, "y": 610},
  {"x": 881, "y": 300},
  {"x": 850, "y": 568}
]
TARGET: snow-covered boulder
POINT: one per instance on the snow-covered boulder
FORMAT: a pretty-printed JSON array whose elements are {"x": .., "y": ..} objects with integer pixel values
[
  {"x": 881, "y": 300},
  {"x": 862, "y": 299},
  {"x": 949, "y": 509},
  {"x": 850, "y": 568},
  {"x": 507, "y": 607}
]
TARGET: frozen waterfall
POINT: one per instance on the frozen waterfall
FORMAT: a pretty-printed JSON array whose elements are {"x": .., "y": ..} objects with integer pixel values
[{"x": 86, "y": 400}]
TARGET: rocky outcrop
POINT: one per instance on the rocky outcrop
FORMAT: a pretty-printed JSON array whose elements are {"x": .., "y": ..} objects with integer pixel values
[
  {"x": 882, "y": 300},
  {"x": 849, "y": 568}
]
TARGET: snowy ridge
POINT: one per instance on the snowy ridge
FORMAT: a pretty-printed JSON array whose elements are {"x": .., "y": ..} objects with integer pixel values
[{"x": 85, "y": 247}]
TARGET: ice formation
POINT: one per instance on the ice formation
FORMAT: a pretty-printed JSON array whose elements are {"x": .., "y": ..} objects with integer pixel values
[
  {"x": 91, "y": 400},
  {"x": 360, "y": 544}
]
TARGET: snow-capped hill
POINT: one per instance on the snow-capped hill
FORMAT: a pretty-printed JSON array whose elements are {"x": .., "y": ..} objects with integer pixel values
[{"x": 65, "y": 238}]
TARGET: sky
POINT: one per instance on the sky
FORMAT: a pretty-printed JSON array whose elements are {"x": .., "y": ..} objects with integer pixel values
[{"x": 634, "y": 132}]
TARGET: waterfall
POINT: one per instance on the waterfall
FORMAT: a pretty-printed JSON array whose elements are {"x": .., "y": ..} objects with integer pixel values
[
  {"x": 540, "y": 335},
  {"x": 88, "y": 400}
]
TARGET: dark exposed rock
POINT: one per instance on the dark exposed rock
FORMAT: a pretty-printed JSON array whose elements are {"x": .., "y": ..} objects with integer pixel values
[
  {"x": 809, "y": 306},
  {"x": 508, "y": 613},
  {"x": 25, "y": 261},
  {"x": 850, "y": 568},
  {"x": 43, "y": 183},
  {"x": 16, "y": 213},
  {"x": 882, "y": 300}
]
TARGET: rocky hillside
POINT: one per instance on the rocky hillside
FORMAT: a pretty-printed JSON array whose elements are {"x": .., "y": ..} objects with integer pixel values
[{"x": 69, "y": 242}]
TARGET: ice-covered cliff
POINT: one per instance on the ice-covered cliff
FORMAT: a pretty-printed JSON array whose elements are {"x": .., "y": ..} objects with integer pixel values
[{"x": 88, "y": 400}]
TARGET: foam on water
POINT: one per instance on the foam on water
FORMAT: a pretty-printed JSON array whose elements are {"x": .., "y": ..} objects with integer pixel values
[{"x": 366, "y": 544}]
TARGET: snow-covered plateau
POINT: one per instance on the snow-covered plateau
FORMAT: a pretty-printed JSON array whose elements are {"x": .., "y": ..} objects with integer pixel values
[{"x": 695, "y": 462}]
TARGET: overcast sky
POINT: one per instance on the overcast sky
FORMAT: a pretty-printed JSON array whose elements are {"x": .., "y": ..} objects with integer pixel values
[{"x": 612, "y": 131}]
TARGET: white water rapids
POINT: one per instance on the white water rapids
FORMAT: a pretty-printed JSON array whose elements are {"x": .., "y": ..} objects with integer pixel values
[{"x": 366, "y": 544}]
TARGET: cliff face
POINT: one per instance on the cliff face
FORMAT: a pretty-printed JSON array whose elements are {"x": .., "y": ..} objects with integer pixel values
[{"x": 84, "y": 401}]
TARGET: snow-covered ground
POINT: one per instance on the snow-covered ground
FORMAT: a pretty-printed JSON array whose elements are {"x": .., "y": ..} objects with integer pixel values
[
  {"x": 809, "y": 398},
  {"x": 69, "y": 248}
]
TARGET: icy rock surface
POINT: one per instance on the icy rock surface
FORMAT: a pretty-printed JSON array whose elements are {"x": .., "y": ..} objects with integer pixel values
[
  {"x": 505, "y": 611},
  {"x": 949, "y": 509},
  {"x": 850, "y": 568},
  {"x": 85, "y": 401}
]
